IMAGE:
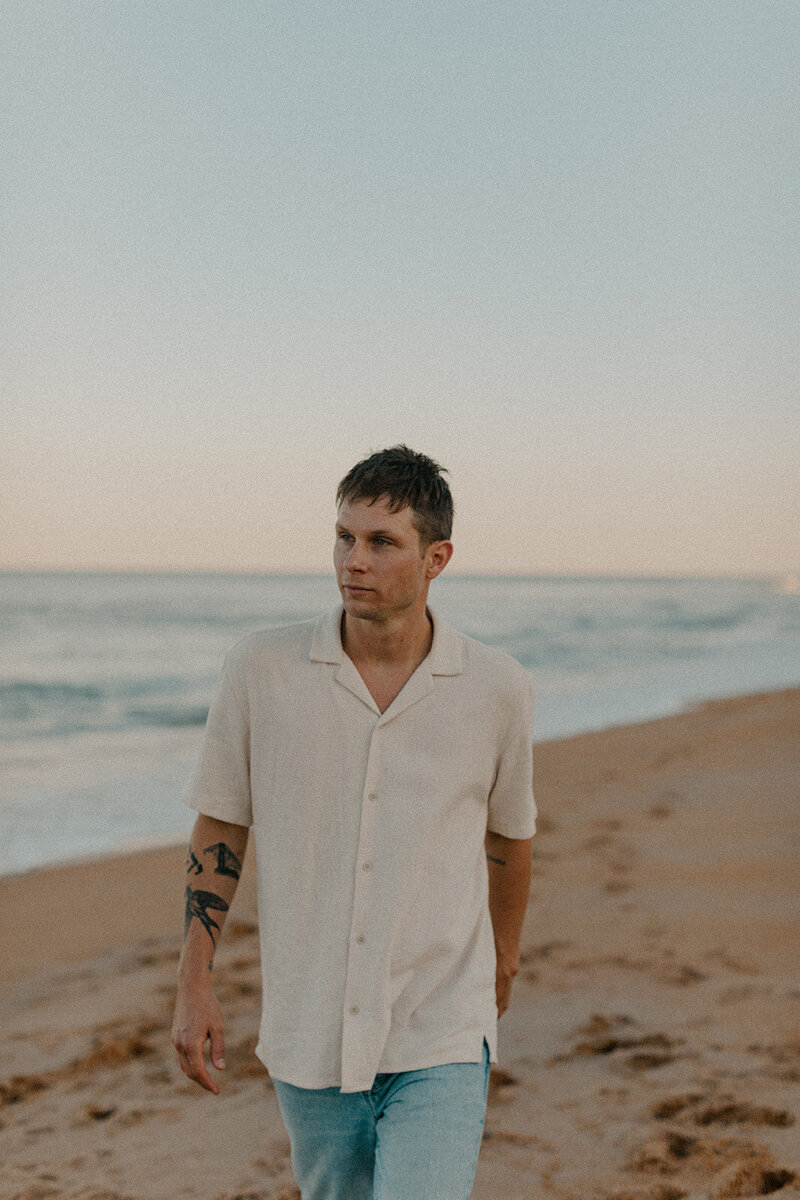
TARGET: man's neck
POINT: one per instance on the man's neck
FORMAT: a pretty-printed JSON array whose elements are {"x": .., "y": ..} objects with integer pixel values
[{"x": 396, "y": 642}]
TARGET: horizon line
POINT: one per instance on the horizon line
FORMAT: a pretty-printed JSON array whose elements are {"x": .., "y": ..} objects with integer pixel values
[{"x": 318, "y": 573}]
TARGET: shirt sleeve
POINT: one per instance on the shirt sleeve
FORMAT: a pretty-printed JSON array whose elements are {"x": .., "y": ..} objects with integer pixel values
[
  {"x": 220, "y": 785},
  {"x": 512, "y": 808}
]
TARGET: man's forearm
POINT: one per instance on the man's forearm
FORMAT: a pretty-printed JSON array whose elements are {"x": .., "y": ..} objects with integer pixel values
[
  {"x": 509, "y": 863},
  {"x": 213, "y": 866}
]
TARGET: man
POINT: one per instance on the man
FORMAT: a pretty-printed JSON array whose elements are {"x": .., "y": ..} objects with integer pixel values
[{"x": 384, "y": 763}]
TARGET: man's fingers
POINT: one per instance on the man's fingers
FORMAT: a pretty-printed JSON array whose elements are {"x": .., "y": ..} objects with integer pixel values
[
  {"x": 502, "y": 993},
  {"x": 218, "y": 1048},
  {"x": 198, "y": 1070},
  {"x": 193, "y": 1064}
]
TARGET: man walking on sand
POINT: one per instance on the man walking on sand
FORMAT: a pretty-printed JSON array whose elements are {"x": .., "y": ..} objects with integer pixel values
[{"x": 383, "y": 762}]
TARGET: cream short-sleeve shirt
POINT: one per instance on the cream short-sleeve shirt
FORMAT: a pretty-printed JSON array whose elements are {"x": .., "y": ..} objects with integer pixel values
[{"x": 377, "y": 951}]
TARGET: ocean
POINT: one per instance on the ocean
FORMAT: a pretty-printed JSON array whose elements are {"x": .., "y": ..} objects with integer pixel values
[{"x": 105, "y": 679}]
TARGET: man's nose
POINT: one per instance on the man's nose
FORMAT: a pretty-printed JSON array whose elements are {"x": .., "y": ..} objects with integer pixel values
[{"x": 355, "y": 558}]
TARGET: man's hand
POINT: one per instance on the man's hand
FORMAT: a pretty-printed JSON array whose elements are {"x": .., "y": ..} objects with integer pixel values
[
  {"x": 509, "y": 863},
  {"x": 198, "y": 1019},
  {"x": 507, "y": 968}
]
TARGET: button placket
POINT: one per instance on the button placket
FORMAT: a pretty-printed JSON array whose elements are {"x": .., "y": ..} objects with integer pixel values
[{"x": 354, "y": 980}]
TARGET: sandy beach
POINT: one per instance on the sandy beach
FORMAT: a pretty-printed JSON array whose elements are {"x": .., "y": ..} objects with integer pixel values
[{"x": 651, "y": 1052}]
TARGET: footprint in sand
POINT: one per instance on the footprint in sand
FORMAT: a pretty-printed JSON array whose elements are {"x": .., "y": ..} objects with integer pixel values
[
  {"x": 275, "y": 1162},
  {"x": 542, "y": 953},
  {"x": 598, "y": 841},
  {"x": 239, "y": 929},
  {"x": 544, "y": 950},
  {"x": 607, "y": 824},
  {"x": 98, "y": 1112},
  {"x": 109, "y": 1050},
  {"x": 618, "y": 856},
  {"x": 723, "y": 1110},
  {"x": 157, "y": 955},
  {"x": 500, "y": 1081},
  {"x": 606, "y": 1036},
  {"x": 20, "y": 1087},
  {"x": 247, "y": 962},
  {"x": 679, "y": 974},
  {"x": 230, "y": 990},
  {"x": 617, "y": 887},
  {"x": 136, "y": 1116},
  {"x": 731, "y": 961},
  {"x": 725, "y": 1168},
  {"x": 750, "y": 1179},
  {"x": 114, "y": 1051}
]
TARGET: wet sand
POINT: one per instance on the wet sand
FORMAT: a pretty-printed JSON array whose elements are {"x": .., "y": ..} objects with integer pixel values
[{"x": 651, "y": 1052}]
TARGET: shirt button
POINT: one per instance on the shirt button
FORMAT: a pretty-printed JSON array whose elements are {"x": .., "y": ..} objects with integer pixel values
[
  {"x": 360, "y": 939},
  {"x": 373, "y": 795},
  {"x": 366, "y": 866},
  {"x": 354, "y": 1010}
]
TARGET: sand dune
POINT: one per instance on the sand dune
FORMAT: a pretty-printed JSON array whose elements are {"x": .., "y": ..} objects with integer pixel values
[{"x": 652, "y": 1050}]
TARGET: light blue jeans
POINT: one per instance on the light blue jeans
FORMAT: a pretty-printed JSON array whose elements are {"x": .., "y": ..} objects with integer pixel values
[{"x": 414, "y": 1135}]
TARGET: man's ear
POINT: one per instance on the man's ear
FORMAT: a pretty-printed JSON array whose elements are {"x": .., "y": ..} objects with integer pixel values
[{"x": 439, "y": 555}]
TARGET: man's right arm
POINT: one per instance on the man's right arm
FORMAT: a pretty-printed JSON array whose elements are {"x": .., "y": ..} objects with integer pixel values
[{"x": 213, "y": 866}]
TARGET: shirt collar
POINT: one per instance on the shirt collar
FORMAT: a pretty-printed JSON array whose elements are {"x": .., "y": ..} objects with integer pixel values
[{"x": 446, "y": 655}]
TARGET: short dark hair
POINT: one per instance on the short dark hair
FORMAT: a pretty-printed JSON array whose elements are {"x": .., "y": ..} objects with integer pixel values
[{"x": 409, "y": 480}]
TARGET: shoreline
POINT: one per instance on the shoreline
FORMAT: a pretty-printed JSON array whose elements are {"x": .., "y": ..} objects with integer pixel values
[
  {"x": 161, "y": 842},
  {"x": 86, "y": 884},
  {"x": 652, "y": 1046}
]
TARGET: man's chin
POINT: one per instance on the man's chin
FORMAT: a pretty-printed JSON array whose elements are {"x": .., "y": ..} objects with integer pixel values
[{"x": 362, "y": 607}]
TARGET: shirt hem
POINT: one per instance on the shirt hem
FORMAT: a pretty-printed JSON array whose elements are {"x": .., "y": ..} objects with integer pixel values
[{"x": 441, "y": 1058}]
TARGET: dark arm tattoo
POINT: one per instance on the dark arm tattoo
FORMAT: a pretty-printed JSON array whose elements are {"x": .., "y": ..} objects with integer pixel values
[
  {"x": 501, "y": 862},
  {"x": 193, "y": 864},
  {"x": 198, "y": 905},
  {"x": 227, "y": 862}
]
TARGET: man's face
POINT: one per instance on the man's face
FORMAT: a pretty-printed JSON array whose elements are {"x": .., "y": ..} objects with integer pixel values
[{"x": 381, "y": 567}]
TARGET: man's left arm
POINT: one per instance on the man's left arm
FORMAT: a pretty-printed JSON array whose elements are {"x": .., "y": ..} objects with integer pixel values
[{"x": 509, "y": 863}]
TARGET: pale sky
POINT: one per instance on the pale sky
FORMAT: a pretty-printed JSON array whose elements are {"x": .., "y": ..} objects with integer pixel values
[{"x": 554, "y": 245}]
